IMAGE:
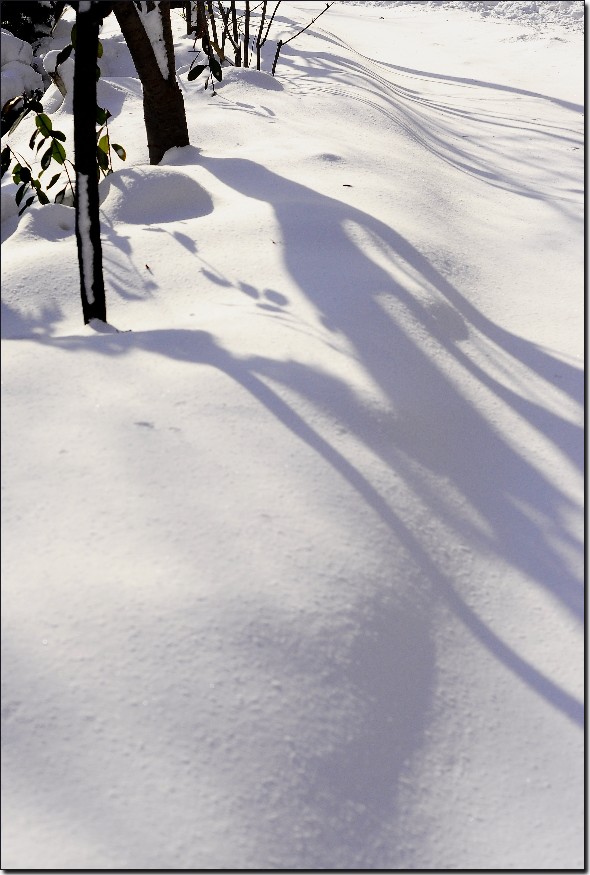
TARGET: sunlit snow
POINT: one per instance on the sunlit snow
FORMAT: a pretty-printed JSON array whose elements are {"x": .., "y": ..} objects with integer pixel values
[{"x": 292, "y": 547}]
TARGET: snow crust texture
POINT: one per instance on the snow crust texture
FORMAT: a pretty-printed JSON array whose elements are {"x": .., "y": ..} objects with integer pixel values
[
  {"x": 565, "y": 13},
  {"x": 293, "y": 545}
]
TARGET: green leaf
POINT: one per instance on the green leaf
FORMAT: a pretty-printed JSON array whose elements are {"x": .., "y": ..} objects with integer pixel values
[
  {"x": 60, "y": 196},
  {"x": 5, "y": 157},
  {"x": 25, "y": 174},
  {"x": 44, "y": 124},
  {"x": 103, "y": 143},
  {"x": 102, "y": 115},
  {"x": 46, "y": 157},
  {"x": 102, "y": 158},
  {"x": 42, "y": 197},
  {"x": 63, "y": 55},
  {"x": 16, "y": 173},
  {"x": 35, "y": 183},
  {"x": 196, "y": 71},
  {"x": 99, "y": 50},
  {"x": 120, "y": 151},
  {"x": 53, "y": 180},
  {"x": 58, "y": 153},
  {"x": 27, "y": 204},
  {"x": 33, "y": 138},
  {"x": 20, "y": 194},
  {"x": 41, "y": 142},
  {"x": 59, "y": 135},
  {"x": 215, "y": 68},
  {"x": 35, "y": 106}
]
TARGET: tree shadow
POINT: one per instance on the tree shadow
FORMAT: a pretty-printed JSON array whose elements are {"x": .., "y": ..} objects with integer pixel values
[
  {"x": 346, "y": 784},
  {"x": 465, "y": 129},
  {"x": 497, "y": 493},
  {"x": 513, "y": 505},
  {"x": 91, "y": 787},
  {"x": 348, "y": 288}
]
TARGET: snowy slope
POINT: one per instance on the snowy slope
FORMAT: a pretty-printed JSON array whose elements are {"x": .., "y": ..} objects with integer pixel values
[{"x": 292, "y": 560}]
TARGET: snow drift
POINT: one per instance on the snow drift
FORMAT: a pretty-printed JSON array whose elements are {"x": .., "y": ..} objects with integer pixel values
[{"x": 293, "y": 550}]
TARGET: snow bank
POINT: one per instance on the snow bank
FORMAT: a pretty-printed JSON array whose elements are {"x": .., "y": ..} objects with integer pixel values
[{"x": 567, "y": 13}]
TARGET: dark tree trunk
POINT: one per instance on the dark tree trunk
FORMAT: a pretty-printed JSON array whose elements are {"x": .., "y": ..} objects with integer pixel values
[
  {"x": 247, "y": 35},
  {"x": 234, "y": 17},
  {"x": 87, "y": 219},
  {"x": 163, "y": 106}
]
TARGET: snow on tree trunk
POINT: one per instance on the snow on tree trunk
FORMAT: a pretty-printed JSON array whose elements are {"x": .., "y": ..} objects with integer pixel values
[
  {"x": 148, "y": 34},
  {"x": 88, "y": 18},
  {"x": 150, "y": 15}
]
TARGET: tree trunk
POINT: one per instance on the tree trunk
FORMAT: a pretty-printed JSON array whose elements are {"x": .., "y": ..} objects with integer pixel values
[
  {"x": 87, "y": 219},
  {"x": 163, "y": 106},
  {"x": 234, "y": 17},
  {"x": 247, "y": 35}
]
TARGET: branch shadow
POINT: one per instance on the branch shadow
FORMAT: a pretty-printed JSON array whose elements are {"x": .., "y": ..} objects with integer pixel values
[
  {"x": 341, "y": 788},
  {"x": 465, "y": 129},
  {"x": 511, "y": 527},
  {"x": 347, "y": 288}
]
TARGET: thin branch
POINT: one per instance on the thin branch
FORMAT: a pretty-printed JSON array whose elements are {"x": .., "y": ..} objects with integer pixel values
[
  {"x": 226, "y": 31},
  {"x": 270, "y": 22},
  {"x": 258, "y": 38},
  {"x": 284, "y": 43},
  {"x": 280, "y": 43},
  {"x": 212, "y": 20},
  {"x": 236, "y": 34}
]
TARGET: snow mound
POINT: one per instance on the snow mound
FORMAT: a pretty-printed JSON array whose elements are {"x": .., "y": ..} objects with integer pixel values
[
  {"x": 17, "y": 76},
  {"x": 48, "y": 222},
  {"x": 247, "y": 80},
  {"x": 14, "y": 49},
  {"x": 153, "y": 195}
]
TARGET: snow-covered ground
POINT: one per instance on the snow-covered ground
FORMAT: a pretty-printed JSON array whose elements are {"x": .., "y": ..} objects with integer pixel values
[{"x": 292, "y": 561}]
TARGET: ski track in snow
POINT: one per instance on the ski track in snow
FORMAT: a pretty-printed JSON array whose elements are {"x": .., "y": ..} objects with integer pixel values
[{"x": 293, "y": 567}]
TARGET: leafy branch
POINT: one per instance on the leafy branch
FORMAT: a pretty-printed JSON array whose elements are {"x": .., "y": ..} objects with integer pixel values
[{"x": 45, "y": 135}]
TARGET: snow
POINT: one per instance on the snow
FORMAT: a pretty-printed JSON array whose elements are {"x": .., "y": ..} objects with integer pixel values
[
  {"x": 564, "y": 13},
  {"x": 17, "y": 76},
  {"x": 151, "y": 20},
  {"x": 85, "y": 241},
  {"x": 293, "y": 567}
]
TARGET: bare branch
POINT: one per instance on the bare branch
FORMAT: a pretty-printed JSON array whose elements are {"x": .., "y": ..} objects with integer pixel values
[
  {"x": 270, "y": 22},
  {"x": 284, "y": 43}
]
